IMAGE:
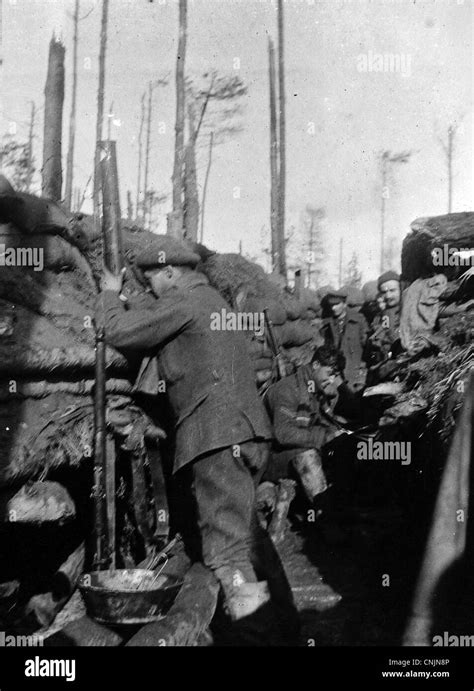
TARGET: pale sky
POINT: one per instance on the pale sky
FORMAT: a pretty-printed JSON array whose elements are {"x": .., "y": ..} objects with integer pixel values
[{"x": 338, "y": 115}]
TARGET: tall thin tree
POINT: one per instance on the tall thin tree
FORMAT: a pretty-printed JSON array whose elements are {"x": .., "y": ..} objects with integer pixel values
[
  {"x": 274, "y": 171},
  {"x": 282, "y": 143},
  {"x": 206, "y": 182},
  {"x": 146, "y": 198},
  {"x": 448, "y": 146},
  {"x": 72, "y": 116},
  {"x": 175, "y": 226},
  {"x": 387, "y": 159},
  {"x": 100, "y": 107},
  {"x": 138, "y": 204},
  {"x": 53, "y": 118},
  {"x": 29, "y": 175},
  {"x": 191, "y": 196}
]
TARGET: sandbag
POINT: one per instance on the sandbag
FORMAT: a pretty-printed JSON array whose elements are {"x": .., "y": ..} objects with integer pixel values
[
  {"x": 55, "y": 251},
  {"x": 295, "y": 333},
  {"x": 256, "y": 305},
  {"x": 34, "y": 345},
  {"x": 262, "y": 363},
  {"x": 310, "y": 299}
]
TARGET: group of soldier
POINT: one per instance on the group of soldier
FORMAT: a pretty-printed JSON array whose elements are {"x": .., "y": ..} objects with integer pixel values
[{"x": 221, "y": 434}]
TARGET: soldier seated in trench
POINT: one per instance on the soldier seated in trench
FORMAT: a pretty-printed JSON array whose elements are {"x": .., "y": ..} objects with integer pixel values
[{"x": 305, "y": 409}]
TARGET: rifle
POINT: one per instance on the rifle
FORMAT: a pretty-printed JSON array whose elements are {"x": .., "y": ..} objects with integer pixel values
[{"x": 274, "y": 346}]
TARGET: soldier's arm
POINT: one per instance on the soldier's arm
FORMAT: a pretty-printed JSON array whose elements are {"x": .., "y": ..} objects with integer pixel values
[
  {"x": 287, "y": 432},
  {"x": 141, "y": 328}
]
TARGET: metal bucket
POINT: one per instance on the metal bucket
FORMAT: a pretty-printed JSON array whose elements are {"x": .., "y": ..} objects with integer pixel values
[{"x": 128, "y": 596}]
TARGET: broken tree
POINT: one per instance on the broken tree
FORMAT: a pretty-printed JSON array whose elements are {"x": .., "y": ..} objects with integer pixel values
[{"x": 53, "y": 116}]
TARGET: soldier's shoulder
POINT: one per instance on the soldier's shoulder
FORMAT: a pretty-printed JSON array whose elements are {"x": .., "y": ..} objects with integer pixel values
[{"x": 283, "y": 387}]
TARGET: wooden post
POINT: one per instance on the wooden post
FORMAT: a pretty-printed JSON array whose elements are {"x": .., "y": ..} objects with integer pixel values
[
  {"x": 53, "y": 117},
  {"x": 274, "y": 175}
]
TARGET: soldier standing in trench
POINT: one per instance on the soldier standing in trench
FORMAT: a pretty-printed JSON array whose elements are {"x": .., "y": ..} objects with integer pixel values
[{"x": 221, "y": 430}]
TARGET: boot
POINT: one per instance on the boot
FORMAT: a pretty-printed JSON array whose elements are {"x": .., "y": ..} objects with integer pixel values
[
  {"x": 247, "y": 599},
  {"x": 248, "y": 618}
]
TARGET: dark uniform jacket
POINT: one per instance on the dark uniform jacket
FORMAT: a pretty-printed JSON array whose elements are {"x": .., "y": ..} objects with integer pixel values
[
  {"x": 284, "y": 399},
  {"x": 384, "y": 333},
  {"x": 209, "y": 378},
  {"x": 351, "y": 341}
]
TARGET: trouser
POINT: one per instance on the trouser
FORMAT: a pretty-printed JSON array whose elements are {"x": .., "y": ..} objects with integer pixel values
[
  {"x": 339, "y": 469},
  {"x": 221, "y": 492},
  {"x": 222, "y": 529}
]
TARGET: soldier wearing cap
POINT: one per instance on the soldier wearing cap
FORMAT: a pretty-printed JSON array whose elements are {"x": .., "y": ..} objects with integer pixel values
[
  {"x": 385, "y": 336},
  {"x": 346, "y": 329},
  {"x": 220, "y": 425}
]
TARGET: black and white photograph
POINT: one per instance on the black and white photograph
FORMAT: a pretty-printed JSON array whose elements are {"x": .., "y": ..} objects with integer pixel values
[{"x": 236, "y": 337}]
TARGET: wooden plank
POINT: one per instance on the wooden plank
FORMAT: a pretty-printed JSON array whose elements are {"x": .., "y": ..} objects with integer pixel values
[
  {"x": 84, "y": 632},
  {"x": 189, "y": 617}
]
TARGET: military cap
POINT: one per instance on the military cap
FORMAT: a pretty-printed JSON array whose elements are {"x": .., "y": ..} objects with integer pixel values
[
  {"x": 166, "y": 251},
  {"x": 341, "y": 293},
  {"x": 387, "y": 276}
]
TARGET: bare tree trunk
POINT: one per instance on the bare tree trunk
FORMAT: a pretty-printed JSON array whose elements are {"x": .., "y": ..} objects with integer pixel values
[
  {"x": 100, "y": 108},
  {"x": 340, "y": 262},
  {"x": 450, "y": 167},
  {"x": 140, "y": 155},
  {"x": 282, "y": 171},
  {"x": 72, "y": 117},
  {"x": 29, "y": 177},
  {"x": 191, "y": 197},
  {"x": 175, "y": 220},
  {"x": 382, "y": 211},
  {"x": 206, "y": 181},
  {"x": 129, "y": 206},
  {"x": 146, "y": 200},
  {"x": 77, "y": 199},
  {"x": 274, "y": 215},
  {"x": 53, "y": 117},
  {"x": 310, "y": 250}
]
